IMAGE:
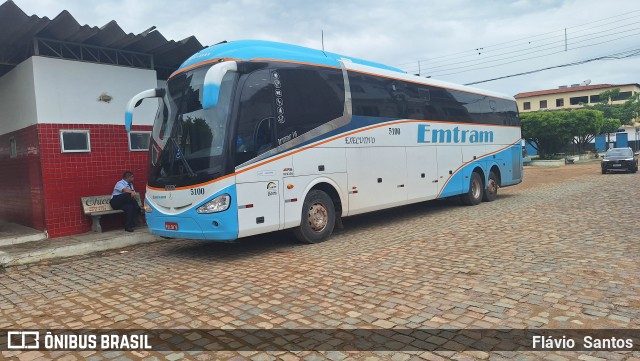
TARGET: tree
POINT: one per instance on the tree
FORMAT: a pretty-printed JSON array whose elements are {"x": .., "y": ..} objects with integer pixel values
[
  {"x": 549, "y": 132},
  {"x": 546, "y": 131},
  {"x": 608, "y": 96},
  {"x": 583, "y": 125},
  {"x": 626, "y": 112},
  {"x": 610, "y": 125}
]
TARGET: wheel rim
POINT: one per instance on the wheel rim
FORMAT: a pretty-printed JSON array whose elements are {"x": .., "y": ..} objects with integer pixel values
[
  {"x": 318, "y": 217},
  {"x": 475, "y": 189},
  {"x": 493, "y": 186}
]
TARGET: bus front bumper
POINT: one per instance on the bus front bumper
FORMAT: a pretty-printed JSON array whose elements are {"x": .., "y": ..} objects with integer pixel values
[
  {"x": 200, "y": 227},
  {"x": 220, "y": 226}
]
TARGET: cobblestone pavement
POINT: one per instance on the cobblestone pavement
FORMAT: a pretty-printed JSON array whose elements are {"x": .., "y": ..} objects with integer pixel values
[{"x": 559, "y": 251}]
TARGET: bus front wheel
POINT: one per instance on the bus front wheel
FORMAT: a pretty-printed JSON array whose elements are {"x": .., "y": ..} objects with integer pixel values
[
  {"x": 475, "y": 193},
  {"x": 318, "y": 218}
]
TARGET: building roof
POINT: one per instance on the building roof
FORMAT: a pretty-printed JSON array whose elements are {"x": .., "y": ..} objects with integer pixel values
[
  {"x": 570, "y": 89},
  {"x": 18, "y": 31}
]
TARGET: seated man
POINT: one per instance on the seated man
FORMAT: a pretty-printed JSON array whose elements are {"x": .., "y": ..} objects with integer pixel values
[{"x": 122, "y": 197}]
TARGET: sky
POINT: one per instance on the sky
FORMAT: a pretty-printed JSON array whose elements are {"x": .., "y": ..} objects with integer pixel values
[{"x": 460, "y": 41}]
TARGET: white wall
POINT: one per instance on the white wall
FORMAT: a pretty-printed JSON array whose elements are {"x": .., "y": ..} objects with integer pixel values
[
  {"x": 67, "y": 92},
  {"x": 632, "y": 135},
  {"x": 17, "y": 98}
]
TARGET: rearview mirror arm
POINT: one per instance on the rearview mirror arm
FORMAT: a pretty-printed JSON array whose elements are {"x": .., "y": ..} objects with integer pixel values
[{"x": 136, "y": 101}]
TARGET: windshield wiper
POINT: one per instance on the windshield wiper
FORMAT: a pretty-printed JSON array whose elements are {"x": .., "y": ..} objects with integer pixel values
[{"x": 181, "y": 157}]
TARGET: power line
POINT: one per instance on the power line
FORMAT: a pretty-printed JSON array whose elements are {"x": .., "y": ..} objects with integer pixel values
[
  {"x": 531, "y": 50},
  {"x": 535, "y": 57},
  {"x": 535, "y": 51},
  {"x": 529, "y": 39},
  {"x": 563, "y": 42},
  {"x": 617, "y": 56},
  {"x": 561, "y": 35}
]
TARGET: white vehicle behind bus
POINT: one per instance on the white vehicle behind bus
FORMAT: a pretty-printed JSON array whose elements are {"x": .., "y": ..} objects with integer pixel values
[{"x": 254, "y": 136}]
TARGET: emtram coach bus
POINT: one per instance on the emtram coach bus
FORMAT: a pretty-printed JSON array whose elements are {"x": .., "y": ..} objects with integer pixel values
[{"x": 254, "y": 136}]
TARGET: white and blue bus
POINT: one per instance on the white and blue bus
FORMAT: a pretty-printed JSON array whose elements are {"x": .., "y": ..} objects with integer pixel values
[{"x": 254, "y": 136}]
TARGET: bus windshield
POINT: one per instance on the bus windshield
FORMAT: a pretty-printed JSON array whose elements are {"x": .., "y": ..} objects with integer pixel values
[{"x": 188, "y": 141}]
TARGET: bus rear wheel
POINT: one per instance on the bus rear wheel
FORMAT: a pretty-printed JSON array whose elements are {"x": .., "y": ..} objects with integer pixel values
[
  {"x": 491, "y": 193},
  {"x": 475, "y": 193},
  {"x": 318, "y": 218}
]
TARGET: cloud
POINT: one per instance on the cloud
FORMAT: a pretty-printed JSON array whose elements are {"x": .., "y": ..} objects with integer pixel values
[{"x": 397, "y": 33}]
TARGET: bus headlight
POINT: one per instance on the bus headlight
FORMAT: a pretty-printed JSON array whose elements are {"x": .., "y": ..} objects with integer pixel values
[
  {"x": 218, "y": 204},
  {"x": 147, "y": 208}
]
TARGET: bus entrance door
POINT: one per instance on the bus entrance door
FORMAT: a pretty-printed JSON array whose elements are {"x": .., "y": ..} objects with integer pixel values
[{"x": 258, "y": 207}]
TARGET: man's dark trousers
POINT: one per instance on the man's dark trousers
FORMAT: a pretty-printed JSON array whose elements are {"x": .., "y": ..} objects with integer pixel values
[{"x": 129, "y": 206}]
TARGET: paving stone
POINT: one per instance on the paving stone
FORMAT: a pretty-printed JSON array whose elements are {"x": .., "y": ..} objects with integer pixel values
[
  {"x": 314, "y": 357},
  {"x": 99, "y": 358},
  {"x": 112, "y": 354},
  {"x": 555, "y": 357},
  {"x": 262, "y": 357},
  {"x": 29, "y": 355},
  {"x": 174, "y": 356},
  {"x": 539, "y": 256},
  {"x": 590, "y": 358}
]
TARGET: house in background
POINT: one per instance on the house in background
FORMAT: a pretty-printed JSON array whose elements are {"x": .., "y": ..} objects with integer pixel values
[
  {"x": 63, "y": 91},
  {"x": 573, "y": 97}
]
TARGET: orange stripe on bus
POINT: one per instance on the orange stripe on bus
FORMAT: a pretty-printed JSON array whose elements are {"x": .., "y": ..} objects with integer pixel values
[{"x": 197, "y": 65}]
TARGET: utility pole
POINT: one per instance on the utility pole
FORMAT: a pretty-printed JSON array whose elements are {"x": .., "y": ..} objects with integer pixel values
[
  {"x": 565, "y": 39},
  {"x": 322, "y": 35}
]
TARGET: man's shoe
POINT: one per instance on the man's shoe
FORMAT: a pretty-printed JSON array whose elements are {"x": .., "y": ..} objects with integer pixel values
[{"x": 129, "y": 229}]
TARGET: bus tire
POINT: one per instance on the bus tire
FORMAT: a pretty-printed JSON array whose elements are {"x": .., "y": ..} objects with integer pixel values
[
  {"x": 491, "y": 193},
  {"x": 474, "y": 195},
  {"x": 318, "y": 218}
]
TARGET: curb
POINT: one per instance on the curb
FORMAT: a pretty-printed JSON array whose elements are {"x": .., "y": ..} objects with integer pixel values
[
  {"x": 10, "y": 241},
  {"x": 8, "y": 259},
  {"x": 547, "y": 163}
]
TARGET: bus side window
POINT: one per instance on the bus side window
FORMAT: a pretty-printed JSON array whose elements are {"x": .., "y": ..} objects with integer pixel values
[
  {"x": 380, "y": 97},
  {"x": 311, "y": 97},
  {"x": 255, "y": 133},
  {"x": 263, "y": 136}
]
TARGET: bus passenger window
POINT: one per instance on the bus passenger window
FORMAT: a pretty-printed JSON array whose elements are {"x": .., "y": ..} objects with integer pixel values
[
  {"x": 255, "y": 133},
  {"x": 311, "y": 97},
  {"x": 264, "y": 135},
  {"x": 380, "y": 97}
]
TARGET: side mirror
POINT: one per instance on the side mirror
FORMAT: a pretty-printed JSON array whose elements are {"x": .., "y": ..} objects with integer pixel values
[
  {"x": 212, "y": 81},
  {"x": 136, "y": 101}
]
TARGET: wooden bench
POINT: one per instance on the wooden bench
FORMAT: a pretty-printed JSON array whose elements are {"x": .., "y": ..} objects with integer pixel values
[{"x": 98, "y": 206}]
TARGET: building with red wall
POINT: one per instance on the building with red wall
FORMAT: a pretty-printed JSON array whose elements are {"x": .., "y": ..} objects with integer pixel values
[{"x": 62, "y": 113}]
